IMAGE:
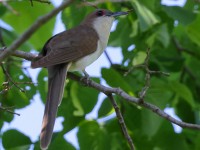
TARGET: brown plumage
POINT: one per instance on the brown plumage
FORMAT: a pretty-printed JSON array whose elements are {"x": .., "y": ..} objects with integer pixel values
[
  {"x": 71, "y": 50},
  {"x": 56, "y": 58}
]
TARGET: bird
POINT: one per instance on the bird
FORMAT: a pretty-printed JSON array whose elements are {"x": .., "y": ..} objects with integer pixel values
[{"x": 68, "y": 51}]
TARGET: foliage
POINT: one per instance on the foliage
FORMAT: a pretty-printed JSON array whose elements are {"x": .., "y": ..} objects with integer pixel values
[{"x": 173, "y": 35}]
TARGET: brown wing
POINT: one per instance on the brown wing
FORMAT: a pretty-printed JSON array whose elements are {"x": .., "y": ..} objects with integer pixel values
[{"x": 68, "y": 46}]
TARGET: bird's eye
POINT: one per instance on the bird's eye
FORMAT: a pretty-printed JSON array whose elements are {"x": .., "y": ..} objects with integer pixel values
[{"x": 100, "y": 13}]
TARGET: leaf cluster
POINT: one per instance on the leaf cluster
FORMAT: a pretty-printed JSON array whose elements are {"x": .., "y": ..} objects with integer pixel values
[{"x": 173, "y": 35}]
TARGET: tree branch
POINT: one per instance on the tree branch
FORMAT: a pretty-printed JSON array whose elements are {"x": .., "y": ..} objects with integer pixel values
[
  {"x": 10, "y": 79},
  {"x": 7, "y": 109},
  {"x": 21, "y": 54},
  {"x": 127, "y": 97},
  {"x": 28, "y": 33},
  {"x": 121, "y": 121}
]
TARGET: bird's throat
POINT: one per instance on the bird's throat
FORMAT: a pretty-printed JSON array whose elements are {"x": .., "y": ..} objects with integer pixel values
[{"x": 103, "y": 31}]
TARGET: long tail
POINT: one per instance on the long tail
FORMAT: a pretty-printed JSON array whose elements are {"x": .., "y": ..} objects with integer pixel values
[{"x": 56, "y": 83}]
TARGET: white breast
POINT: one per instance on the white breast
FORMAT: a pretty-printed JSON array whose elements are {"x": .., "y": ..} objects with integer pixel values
[{"x": 102, "y": 25}]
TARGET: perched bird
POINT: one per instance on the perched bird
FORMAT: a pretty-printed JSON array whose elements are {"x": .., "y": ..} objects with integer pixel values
[{"x": 71, "y": 50}]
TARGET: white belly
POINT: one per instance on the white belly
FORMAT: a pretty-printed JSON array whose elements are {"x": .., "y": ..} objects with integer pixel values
[
  {"x": 103, "y": 31},
  {"x": 82, "y": 63}
]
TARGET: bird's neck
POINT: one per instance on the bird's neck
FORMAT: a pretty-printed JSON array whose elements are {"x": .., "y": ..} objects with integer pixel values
[{"x": 102, "y": 27}]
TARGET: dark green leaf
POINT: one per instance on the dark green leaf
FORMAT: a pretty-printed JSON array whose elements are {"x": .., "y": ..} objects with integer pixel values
[
  {"x": 42, "y": 84},
  {"x": 73, "y": 16},
  {"x": 113, "y": 78},
  {"x": 26, "y": 15},
  {"x": 193, "y": 31},
  {"x": 105, "y": 109},
  {"x": 146, "y": 18},
  {"x": 58, "y": 142},
  {"x": 96, "y": 137},
  {"x": 19, "y": 141},
  {"x": 84, "y": 99},
  {"x": 184, "y": 111},
  {"x": 166, "y": 138},
  {"x": 180, "y": 14},
  {"x": 2, "y": 10},
  {"x": 10, "y": 36},
  {"x": 182, "y": 91}
]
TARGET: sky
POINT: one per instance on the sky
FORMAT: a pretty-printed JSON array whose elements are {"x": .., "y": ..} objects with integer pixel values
[{"x": 30, "y": 120}]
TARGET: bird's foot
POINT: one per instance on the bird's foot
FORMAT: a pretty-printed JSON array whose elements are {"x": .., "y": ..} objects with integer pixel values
[{"x": 86, "y": 78}]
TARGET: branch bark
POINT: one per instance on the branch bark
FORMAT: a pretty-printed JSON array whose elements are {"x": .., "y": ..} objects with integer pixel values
[
  {"x": 109, "y": 91},
  {"x": 28, "y": 33},
  {"x": 124, "y": 95},
  {"x": 135, "y": 100},
  {"x": 121, "y": 121}
]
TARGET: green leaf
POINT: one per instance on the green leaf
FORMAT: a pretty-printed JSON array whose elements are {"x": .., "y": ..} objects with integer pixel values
[
  {"x": 159, "y": 93},
  {"x": 139, "y": 58},
  {"x": 10, "y": 36},
  {"x": 14, "y": 96},
  {"x": 181, "y": 90},
  {"x": 74, "y": 94},
  {"x": 26, "y": 16},
  {"x": 179, "y": 14},
  {"x": 149, "y": 127},
  {"x": 58, "y": 142},
  {"x": 132, "y": 116},
  {"x": 114, "y": 79},
  {"x": 185, "y": 111},
  {"x": 193, "y": 65},
  {"x": 42, "y": 84},
  {"x": 118, "y": 142},
  {"x": 66, "y": 110},
  {"x": 105, "y": 109},
  {"x": 193, "y": 31},
  {"x": 2, "y": 10},
  {"x": 166, "y": 138},
  {"x": 163, "y": 35},
  {"x": 96, "y": 137},
  {"x": 19, "y": 141},
  {"x": 117, "y": 38},
  {"x": 84, "y": 99},
  {"x": 73, "y": 16},
  {"x": 146, "y": 18},
  {"x": 197, "y": 144}
]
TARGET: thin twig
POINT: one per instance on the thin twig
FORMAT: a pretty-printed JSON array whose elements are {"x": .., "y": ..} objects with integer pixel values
[
  {"x": 121, "y": 121},
  {"x": 28, "y": 33},
  {"x": 31, "y": 83},
  {"x": 10, "y": 79},
  {"x": 41, "y": 1},
  {"x": 144, "y": 90},
  {"x": 6, "y": 87},
  {"x": 128, "y": 98},
  {"x": 107, "y": 56},
  {"x": 7, "y": 109},
  {"x": 134, "y": 100},
  {"x": 180, "y": 48},
  {"x": 124, "y": 95},
  {"x": 21, "y": 54},
  {"x": 10, "y": 8},
  {"x": 149, "y": 72}
]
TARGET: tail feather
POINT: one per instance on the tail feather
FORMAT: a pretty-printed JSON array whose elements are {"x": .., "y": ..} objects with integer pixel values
[{"x": 56, "y": 83}]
